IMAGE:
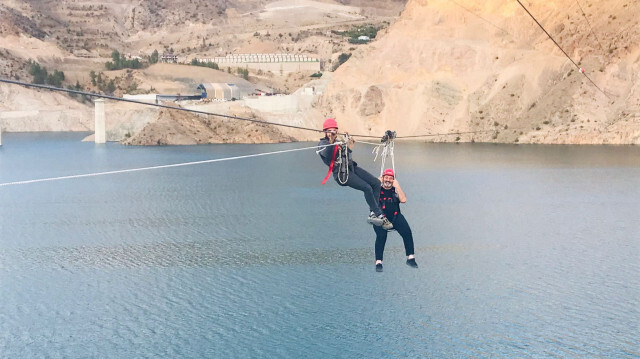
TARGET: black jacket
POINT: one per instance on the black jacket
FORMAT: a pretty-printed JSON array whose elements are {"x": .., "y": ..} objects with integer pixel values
[{"x": 326, "y": 154}]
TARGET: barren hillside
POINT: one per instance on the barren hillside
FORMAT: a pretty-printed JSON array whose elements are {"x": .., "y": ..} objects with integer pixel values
[
  {"x": 185, "y": 26},
  {"x": 78, "y": 38},
  {"x": 442, "y": 66},
  {"x": 486, "y": 66},
  {"x": 180, "y": 128}
]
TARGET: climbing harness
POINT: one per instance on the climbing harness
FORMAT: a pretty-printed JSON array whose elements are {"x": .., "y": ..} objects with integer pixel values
[
  {"x": 340, "y": 156},
  {"x": 342, "y": 159}
]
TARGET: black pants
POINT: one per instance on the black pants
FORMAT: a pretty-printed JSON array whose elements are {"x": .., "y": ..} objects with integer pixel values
[
  {"x": 367, "y": 183},
  {"x": 399, "y": 224}
]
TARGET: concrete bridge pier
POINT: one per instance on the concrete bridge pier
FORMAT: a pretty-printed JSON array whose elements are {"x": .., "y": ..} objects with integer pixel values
[{"x": 100, "y": 131}]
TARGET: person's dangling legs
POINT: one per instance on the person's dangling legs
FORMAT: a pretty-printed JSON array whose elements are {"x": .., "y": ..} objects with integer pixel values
[
  {"x": 381, "y": 240},
  {"x": 357, "y": 182},
  {"x": 372, "y": 181},
  {"x": 401, "y": 225}
]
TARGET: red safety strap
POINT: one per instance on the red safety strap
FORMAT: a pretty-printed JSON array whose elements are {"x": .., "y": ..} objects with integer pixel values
[{"x": 333, "y": 160}]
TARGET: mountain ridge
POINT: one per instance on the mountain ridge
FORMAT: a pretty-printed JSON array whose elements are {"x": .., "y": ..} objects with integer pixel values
[{"x": 497, "y": 73}]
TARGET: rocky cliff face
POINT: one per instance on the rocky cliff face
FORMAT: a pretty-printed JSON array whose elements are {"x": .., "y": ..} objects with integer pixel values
[
  {"x": 180, "y": 128},
  {"x": 23, "y": 109},
  {"x": 486, "y": 67},
  {"x": 480, "y": 67}
]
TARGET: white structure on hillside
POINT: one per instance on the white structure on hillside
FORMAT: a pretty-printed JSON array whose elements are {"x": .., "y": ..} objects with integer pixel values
[
  {"x": 260, "y": 58},
  {"x": 276, "y": 63},
  {"x": 220, "y": 91},
  {"x": 169, "y": 58}
]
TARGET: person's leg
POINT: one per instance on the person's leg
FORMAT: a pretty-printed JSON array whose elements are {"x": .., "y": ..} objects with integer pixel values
[
  {"x": 381, "y": 240},
  {"x": 356, "y": 182},
  {"x": 400, "y": 224},
  {"x": 372, "y": 180}
]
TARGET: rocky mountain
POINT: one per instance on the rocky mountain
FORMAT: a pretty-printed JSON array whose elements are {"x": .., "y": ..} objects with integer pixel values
[
  {"x": 78, "y": 38},
  {"x": 98, "y": 27},
  {"x": 486, "y": 67},
  {"x": 483, "y": 70}
]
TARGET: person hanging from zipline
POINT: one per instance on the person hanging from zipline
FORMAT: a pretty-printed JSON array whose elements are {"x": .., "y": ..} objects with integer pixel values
[
  {"x": 391, "y": 195},
  {"x": 346, "y": 172}
]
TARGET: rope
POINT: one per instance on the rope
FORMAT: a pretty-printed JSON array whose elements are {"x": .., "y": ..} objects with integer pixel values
[
  {"x": 93, "y": 94},
  {"x": 371, "y": 143},
  {"x": 482, "y": 18},
  {"x": 108, "y": 97},
  {"x": 387, "y": 151},
  {"x": 561, "y": 49},
  {"x": 590, "y": 28},
  {"x": 444, "y": 134},
  {"x": 6, "y": 184}
]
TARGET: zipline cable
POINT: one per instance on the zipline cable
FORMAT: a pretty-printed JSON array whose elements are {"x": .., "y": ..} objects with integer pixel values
[
  {"x": 6, "y": 184},
  {"x": 482, "y": 18},
  {"x": 92, "y": 94},
  {"x": 561, "y": 49},
  {"x": 590, "y": 28},
  {"x": 108, "y": 97}
]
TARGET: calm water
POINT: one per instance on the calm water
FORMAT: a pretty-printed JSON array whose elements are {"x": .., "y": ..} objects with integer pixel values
[{"x": 524, "y": 251}]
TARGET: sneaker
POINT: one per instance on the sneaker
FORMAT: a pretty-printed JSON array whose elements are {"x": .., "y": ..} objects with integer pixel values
[
  {"x": 375, "y": 220},
  {"x": 386, "y": 224},
  {"x": 412, "y": 263},
  {"x": 379, "y": 267}
]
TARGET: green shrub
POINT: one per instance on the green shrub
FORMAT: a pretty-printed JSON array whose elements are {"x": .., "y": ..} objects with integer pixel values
[
  {"x": 39, "y": 73},
  {"x": 41, "y": 76},
  {"x": 120, "y": 62},
  {"x": 211, "y": 65},
  {"x": 153, "y": 59},
  {"x": 341, "y": 60}
]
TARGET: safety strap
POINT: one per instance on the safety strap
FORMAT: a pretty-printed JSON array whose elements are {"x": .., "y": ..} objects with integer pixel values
[
  {"x": 387, "y": 146},
  {"x": 333, "y": 160}
]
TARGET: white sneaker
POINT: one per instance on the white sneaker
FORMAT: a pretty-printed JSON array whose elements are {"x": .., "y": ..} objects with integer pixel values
[
  {"x": 386, "y": 224},
  {"x": 376, "y": 220}
]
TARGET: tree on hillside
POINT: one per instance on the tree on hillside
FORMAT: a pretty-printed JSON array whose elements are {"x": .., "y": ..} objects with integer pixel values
[
  {"x": 55, "y": 79},
  {"x": 115, "y": 55},
  {"x": 120, "y": 62},
  {"x": 244, "y": 73},
  {"x": 93, "y": 76},
  {"x": 111, "y": 87},
  {"x": 341, "y": 60},
  {"x": 39, "y": 73},
  {"x": 41, "y": 76},
  {"x": 78, "y": 87},
  {"x": 153, "y": 59},
  {"x": 212, "y": 65}
]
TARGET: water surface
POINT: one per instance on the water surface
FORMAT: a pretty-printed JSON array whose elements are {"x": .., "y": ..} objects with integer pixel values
[{"x": 524, "y": 251}]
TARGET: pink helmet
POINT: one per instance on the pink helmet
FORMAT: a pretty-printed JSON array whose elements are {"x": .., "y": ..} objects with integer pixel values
[
  {"x": 389, "y": 172},
  {"x": 329, "y": 123}
]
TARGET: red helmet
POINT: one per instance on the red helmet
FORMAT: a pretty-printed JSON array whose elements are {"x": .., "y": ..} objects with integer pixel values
[
  {"x": 389, "y": 172},
  {"x": 329, "y": 123}
]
